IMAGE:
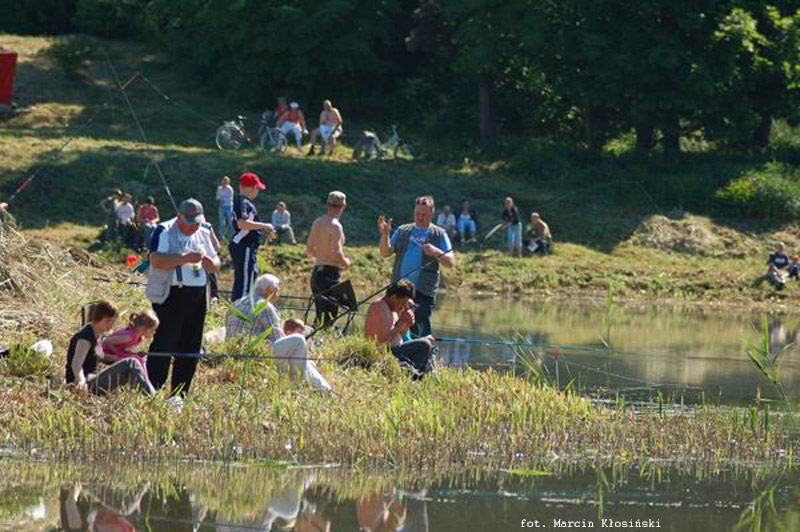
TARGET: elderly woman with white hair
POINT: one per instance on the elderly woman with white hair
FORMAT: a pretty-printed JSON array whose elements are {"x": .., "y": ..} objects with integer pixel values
[{"x": 250, "y": 316}]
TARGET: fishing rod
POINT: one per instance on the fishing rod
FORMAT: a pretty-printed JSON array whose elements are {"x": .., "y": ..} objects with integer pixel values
[
  {"x": 57, "y": 152},
  {"x": 236, "y": 356},
  {"x": 135, "y": 117},
  {"x": 374, "y": 294}
]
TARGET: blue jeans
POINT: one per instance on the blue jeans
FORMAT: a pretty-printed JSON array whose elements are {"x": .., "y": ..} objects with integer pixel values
[
  {"x": 422, "y": 315},
  {"x": 514, "y": 236},
  {"x": 225, "y": 220},
  {"x": 467, "y": 225}
]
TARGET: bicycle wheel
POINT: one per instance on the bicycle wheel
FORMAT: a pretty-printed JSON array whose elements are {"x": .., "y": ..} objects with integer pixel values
[
  {"x": 229, "y": 137},
  {"x": 273, "y": 140},
  {"x": 361, "y": 149},
  {"x": 279, "y": 141},
  {"x": 403, "y": 151}
]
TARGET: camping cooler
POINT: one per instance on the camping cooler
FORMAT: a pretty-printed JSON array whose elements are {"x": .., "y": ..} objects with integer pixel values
[{"x": 8, "y": 69}]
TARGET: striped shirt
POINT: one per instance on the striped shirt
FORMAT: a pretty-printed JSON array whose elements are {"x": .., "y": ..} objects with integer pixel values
[{"x": 267, "y": 320}]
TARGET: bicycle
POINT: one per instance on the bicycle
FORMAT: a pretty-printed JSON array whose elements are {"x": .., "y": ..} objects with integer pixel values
[
  {"x": 232, "y": 135},
  {"x": 370, "y": 147}
]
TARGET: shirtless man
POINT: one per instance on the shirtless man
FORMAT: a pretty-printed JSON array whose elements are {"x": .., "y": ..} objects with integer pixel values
[
  {"x": 330, "y": 127},
  {"x": 326, "y": 245}
]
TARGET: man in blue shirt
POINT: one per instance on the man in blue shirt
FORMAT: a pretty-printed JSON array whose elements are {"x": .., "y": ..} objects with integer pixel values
[
  {"x": 419, "y": 248},
  {"x": 247, "y": 230}
]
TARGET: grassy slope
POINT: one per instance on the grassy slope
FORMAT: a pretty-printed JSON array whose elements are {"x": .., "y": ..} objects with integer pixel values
[{"x": 593, "y": 207}]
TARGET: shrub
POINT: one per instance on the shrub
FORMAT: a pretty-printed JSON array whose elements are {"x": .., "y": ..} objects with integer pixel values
[
  {"x": 772, "y": 192},
  {"x": 26, "y": 363}
]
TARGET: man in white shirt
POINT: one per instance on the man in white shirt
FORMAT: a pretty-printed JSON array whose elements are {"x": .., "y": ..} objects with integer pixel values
[
  {"x": 447, "y": 221},
  {"x": 189, "y": 252}
]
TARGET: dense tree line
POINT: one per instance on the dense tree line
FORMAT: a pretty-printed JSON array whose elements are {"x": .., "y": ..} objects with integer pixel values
[{"x": 581, "y": 71}]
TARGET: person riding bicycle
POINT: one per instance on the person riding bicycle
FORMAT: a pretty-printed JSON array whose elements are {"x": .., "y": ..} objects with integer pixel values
[
  {"x": 293, "y": 121},
  {"x": 330, "y": 128}
]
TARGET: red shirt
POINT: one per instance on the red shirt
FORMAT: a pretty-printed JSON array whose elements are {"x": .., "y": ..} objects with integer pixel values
[{"x": 148, "y": 213}]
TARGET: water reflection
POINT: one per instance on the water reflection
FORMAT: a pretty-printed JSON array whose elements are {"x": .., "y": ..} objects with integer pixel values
[
  {"x": 218, "y": 498},
  {"x": 686, "y": 352}
]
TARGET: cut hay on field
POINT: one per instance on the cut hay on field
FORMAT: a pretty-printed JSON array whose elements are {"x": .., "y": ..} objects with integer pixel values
[
  {"x": 42, "y": 287},
  {"x": 695, "y": 235}
]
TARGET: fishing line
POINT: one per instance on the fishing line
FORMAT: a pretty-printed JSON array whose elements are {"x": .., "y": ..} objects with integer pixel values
[
  {"x": 139, "y": 127},
  {"x": 58, "y": 152},
  {"x": 176, "y": 104}
]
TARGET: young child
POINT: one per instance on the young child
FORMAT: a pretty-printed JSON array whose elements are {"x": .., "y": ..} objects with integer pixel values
[
  {"x": 794, "y": 269},
  {"x": 118, "y": 345},
  {"x": 291, "y": 356},
  {"x": 81, "y": 357}
]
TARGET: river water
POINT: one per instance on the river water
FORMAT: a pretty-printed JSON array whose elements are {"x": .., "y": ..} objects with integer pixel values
[
  {"x": 685, "y": 353},
  {"x": 689, "y": 353},
  {"x": 180, "y": 497}
]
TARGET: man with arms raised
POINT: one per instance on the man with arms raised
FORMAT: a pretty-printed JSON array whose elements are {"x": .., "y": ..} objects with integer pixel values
[
  {"x": 419, "y": 249},
  {"x": 326, "y": 246},
  {"x": 330, "y": 127}
]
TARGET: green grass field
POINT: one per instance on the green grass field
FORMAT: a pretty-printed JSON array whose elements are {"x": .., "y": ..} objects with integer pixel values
[{"x": 651, "y": 226}]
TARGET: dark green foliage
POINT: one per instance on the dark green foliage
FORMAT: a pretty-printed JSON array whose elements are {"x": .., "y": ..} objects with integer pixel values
[
  {"x": 677, "y": 75},
  {"x": 115, "y": 19},
  {"x": 773, "y": 192},
  {"x": 72, "y": 54},
  {"x": 38, "y": 16},
  {"x": 25, "y": 362}
]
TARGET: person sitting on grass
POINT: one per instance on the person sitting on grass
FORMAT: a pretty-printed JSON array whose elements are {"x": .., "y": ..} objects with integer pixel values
[
  {"x": 126, "y": 224},
  {"x": 81, "y": 365},
  {"x": 779, "y": 264},
  {"x": 794, "y": 269},
  {"x": 467, "y": 222},
  {"x": 293, "y": 121},
  {"x": 539, "y": 237},
  {"x": 282, "y": 222},
  {"x": 291, "y": 356},
  {"x": 3, "y": 212},
  {"x": 147, "y": 218},
  {"x": 109, "y": 206},
  {"x": 388, "y": 321},
  {"x": 447, "y": 221},
  {"x": 242, "y": 318},
  {"x": 120, "y": 344},
  {"x": 330, "y": 128}
]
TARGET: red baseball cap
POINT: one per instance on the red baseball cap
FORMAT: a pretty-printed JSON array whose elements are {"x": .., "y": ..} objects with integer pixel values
[{"x": 249, "y": 179}]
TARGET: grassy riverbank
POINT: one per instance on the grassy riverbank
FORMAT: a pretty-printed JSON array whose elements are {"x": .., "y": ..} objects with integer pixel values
[
  {"x": 378, "y": 418},
  {"x": 617, "y": 219},
  {"x": 241, "y": 409}
]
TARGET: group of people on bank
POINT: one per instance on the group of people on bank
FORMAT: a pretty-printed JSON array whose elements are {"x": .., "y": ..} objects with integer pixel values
[
  {"x": 463, "y": 226},
  {"x": 184, "y": 255}
]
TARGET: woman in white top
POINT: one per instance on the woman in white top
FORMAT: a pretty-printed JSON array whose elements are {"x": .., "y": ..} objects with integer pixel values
[
  {"x": 225, "y": 200},
  {"x": 125, "y": 211}
]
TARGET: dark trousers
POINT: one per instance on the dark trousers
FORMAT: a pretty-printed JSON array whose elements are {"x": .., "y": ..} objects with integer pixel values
[
  {"x": 422, "y": 315},
  {"x": 322, "y": 279},
  {"x": 245, "y": 269},
  {"x": 182, "y": 317},
  {"x": 418, "y": 354},
  {"x": 213, "y": 285}
]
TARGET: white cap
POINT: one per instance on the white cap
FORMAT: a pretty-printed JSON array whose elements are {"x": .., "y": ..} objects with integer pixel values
[{"x": 294, "y": 105}]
